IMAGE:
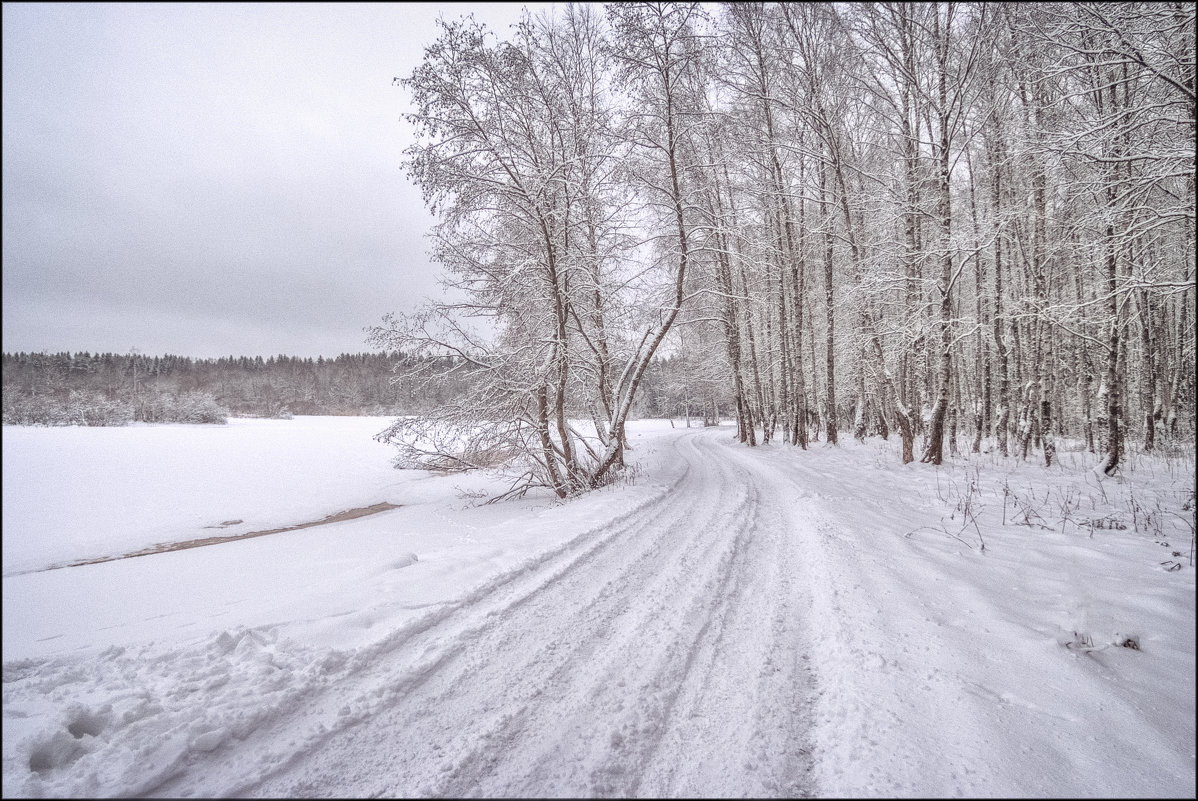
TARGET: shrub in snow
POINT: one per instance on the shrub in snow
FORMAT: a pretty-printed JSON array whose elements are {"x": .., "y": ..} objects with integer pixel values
[
  {"x": 77, "y": 408},
  {"x": 186, "y": 407},
  {"x": 94, "y": 409},
  {"x": 199, "y": 407},
  {"x": 23, "y": 410}
]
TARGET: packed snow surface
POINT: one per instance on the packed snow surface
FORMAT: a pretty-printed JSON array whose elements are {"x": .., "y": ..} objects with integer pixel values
[{"x": 722, "y": 621}]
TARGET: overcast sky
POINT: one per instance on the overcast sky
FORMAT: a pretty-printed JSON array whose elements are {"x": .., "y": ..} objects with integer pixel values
[{"x": 209, "y": 180}]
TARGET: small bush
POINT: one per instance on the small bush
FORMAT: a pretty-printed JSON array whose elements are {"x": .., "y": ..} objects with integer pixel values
[
  {"x": 186, "y": 407},
  {"x": 78, "y": 408},
  {"x": 94, "y": 409}
]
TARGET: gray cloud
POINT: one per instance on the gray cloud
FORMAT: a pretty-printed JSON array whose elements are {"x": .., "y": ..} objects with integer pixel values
[{"x": 210, "y": 179}]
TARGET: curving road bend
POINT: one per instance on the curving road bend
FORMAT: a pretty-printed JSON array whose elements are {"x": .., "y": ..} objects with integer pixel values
[{"x": 663, "y": 654}]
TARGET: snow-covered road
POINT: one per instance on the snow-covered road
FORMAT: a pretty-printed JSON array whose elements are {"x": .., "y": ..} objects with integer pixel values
[
  {"x": 723, "y": 621},
  {"x": 662, "y": 654}
]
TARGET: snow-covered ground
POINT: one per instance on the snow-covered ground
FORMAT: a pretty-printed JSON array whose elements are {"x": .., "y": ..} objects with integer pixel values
[{"x": 725, "y": 621}]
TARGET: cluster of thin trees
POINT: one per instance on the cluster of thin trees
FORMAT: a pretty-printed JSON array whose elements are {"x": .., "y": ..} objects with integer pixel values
[{"x": 949, "y": 221}]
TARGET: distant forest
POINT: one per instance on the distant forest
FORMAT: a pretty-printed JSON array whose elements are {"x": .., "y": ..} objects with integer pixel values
[{"x": 107, "y": 389}]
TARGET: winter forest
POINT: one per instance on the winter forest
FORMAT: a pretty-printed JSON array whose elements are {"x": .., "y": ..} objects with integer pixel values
[
  {"x": 954, "y": 226},
  {"x": 921, "y": 276}
]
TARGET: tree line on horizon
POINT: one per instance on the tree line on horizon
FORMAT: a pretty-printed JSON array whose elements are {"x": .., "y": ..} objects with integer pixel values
[
  {"x": 106, "y": 389},
  {"x": 114, "y": 389}
]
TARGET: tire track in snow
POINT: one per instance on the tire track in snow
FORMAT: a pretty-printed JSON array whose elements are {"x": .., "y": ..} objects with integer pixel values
[
  {"x": 608, "y": 636},
  {"x": 632, "y": 661},
  {"x": 767, "y": 725},
  {"x": 346, "y": 688}
]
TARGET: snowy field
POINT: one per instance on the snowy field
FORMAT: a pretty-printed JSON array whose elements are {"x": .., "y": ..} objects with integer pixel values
[{"x": 723, "y": 622}]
